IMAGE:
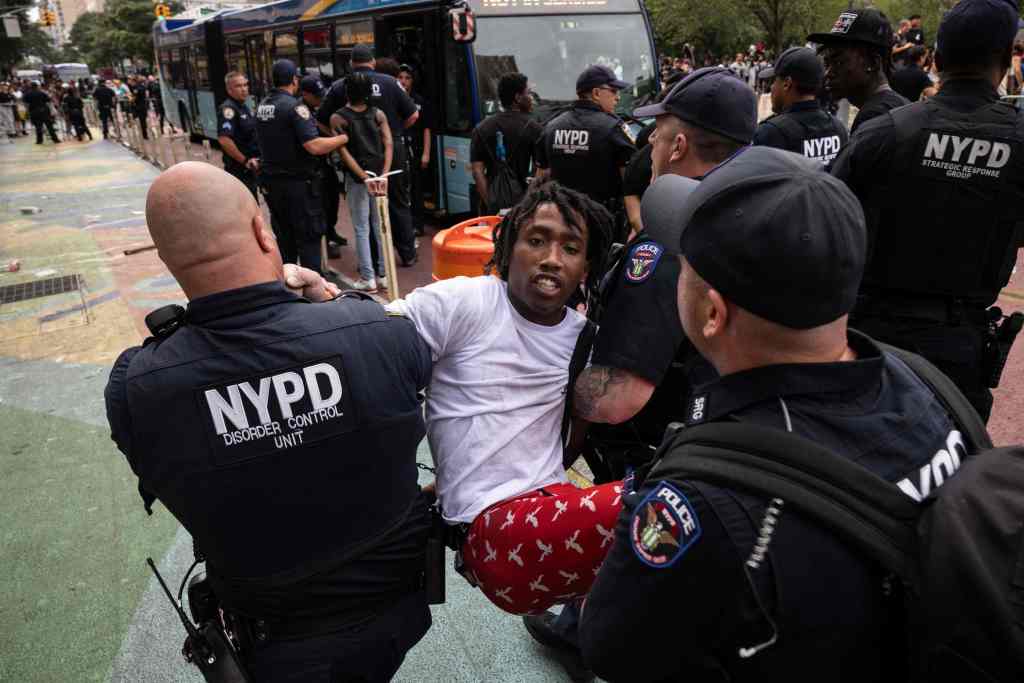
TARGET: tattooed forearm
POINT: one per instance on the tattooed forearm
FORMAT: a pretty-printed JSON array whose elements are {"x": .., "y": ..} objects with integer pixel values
[{"x": 593, "y": 388}]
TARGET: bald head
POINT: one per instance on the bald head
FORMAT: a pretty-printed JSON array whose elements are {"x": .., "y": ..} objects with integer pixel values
[{"x": 209, "y": 230}]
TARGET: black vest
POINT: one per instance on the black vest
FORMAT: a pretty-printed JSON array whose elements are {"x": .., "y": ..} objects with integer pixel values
[
  {"x": 365, "y": 143},
  {"x": 811, "y": 132},
  {"x": 280, "y": 151},
  {"x": 947, "y": 221},
  {"x": 281, "y": 434},
  {"x": 578, "y": 152}
]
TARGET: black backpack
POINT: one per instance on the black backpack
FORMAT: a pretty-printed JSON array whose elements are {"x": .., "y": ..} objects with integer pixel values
[
  {"x": 504, "y": 189},
  {"x": 365, "y": 142},
  {"x": 959, "y": 553}
]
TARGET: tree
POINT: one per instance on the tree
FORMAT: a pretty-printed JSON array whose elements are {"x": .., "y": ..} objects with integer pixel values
[
  {"x": 34, "y": 41},
  {"x": 123, "y": 31}
]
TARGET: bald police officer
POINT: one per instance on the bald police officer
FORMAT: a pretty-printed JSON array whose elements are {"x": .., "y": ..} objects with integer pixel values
[
  {"x": 289, "y": 143},
  {"x": 800, "y": 123},
  {"x": 713, "y": 583},
  {"x": 282, "y": 434},
  {"x": 236, "y": 132},
  {"x": 942, "y": 185},
  {"x": 587, "y": 148}
]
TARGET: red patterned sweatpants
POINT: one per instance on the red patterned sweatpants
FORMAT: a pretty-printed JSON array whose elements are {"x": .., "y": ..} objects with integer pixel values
[{"x": 543, "y": 547}]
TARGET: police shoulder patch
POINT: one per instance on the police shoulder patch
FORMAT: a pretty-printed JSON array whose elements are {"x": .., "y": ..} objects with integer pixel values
[
  {"x": 664, "y": 526},
  {"x": 302, "y": 110},
  {"x": 628, "y": 133},
  {"x": 642, "y": 260},
  {"x": 229, "y": 113}
]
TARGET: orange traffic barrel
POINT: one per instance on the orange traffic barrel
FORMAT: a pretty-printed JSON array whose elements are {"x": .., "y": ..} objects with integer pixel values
[{"x": 464, "y": 248}]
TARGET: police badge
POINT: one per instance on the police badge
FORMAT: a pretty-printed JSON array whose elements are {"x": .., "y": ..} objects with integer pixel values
[{"x": 229, "y": 113}]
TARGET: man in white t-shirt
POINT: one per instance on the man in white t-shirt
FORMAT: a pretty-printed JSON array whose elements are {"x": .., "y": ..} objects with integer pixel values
[{"x": 501, "y": 351}]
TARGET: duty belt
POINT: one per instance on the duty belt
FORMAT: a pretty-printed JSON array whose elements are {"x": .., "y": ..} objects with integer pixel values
[{"x": 945, "y": 310}]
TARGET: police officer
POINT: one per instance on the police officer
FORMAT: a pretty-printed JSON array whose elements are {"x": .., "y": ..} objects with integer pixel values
[
  {"x": 312, "y": 91},
  {"x": 155, "y": 96},
  {"x": 712, "y": 583},
  {"x": 588, "y": 146},
  {"x": 858, "y": 63},
  {"x": 800, "y": 123},
  {"x": 942, "y": 185},
  {"x": 289, "y": 143},
  {"x": 642, "y": 362},
  {"x": 391, "y": 98},
  {"x": 38, "y": 104},
  {"x": 286, "y": 429},
  {"x": 105, "y": 98},
  {"x": 140, "y": 103},
  {"x": 237, "y": 132}
]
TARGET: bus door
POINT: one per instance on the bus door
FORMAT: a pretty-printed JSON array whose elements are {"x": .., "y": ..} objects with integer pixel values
[
  {"x": 259, "y": 74},
  {"x": 194, "y": 53},
  {"x": 458, "y": 115}
]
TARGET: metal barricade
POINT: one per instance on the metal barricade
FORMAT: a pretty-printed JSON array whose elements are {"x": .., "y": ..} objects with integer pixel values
[{"x": 8, "y": 116}]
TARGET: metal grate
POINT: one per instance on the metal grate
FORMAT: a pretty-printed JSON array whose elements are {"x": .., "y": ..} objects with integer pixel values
[{"x": 23, "y": 291}]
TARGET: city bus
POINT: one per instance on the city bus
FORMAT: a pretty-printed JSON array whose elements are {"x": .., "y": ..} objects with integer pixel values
[{"x": 551, "y": 41}]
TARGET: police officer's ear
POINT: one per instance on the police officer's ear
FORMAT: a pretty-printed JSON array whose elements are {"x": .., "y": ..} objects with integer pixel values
[{"x": 264, "y": 237}]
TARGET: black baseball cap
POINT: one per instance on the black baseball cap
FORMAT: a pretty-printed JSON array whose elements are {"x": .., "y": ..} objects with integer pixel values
[
  {"x": 773, "y": 233},
  {"x": 597, "y": 75},
  {"x": 863, "y": 26},
  {"x": 976, "y": 27},
  {"x": 283, "y": 72},
  {"x": 362, "y": 54},
  {"x": 312, "y": 85},
  {"x": 712, "y": 98},
  {"x": 799, "y": 63}
]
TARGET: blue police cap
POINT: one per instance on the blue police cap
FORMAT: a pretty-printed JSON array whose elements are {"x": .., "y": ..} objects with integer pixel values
[
  {"x": 312, "y": 84},
  {"x": 283, "y": 72},
  {"x": 714, "y": 99},
  {"x": 596, "y": 76},
  {"x": 976, "y": 27}
]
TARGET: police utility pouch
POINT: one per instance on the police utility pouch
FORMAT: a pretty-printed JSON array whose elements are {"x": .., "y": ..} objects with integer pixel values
[{"x": 434, "y": 569}]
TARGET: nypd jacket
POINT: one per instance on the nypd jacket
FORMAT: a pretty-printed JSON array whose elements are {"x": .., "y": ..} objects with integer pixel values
[
  {"x": 283, "y": 436},
  {"x": 942, "y": 186},
  {"x": 705, "y": 583},
  {"x": 805, "y": 128}
]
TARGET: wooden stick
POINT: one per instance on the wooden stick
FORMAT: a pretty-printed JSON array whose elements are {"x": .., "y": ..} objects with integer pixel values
[{"x": 388, "y": 246}]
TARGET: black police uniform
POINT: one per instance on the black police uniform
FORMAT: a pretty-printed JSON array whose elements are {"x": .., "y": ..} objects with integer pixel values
[
  {"x": 640, "y": 333},
  {"x": 388, "y": 96},
  {"x": 283, "y": 436},
  {"x": 105, "y": 99},
  {"x": 704, "y": 606},
  {"x": 805, "y": 128},
  {"x": 414, "y": 152},
  {"x": 584, "y": 148},
  {"x": 38, "y": 104},
  {"x": 140, "y": 104},
  {"x": 291, "y": 176},
  {"x": 934, "y": 266},
  {"x": 156, "y": 97},
  {"x": 237, "y": 122}
]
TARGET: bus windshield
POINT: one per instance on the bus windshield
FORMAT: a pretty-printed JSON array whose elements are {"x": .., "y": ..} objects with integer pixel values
[{"x": 553, "y": 50}]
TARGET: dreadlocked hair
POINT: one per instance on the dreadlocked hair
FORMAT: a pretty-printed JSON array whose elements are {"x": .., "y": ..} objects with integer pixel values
[{"x": 574, "y": 207}]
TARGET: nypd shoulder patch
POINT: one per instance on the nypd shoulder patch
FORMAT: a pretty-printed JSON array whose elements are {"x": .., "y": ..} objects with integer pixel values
[
  {"x": 303, "y": 111},
  {"x": 642, "y": 260},
  {"x": 664, "y": 526},
  {"x": 229, "y": 113}
]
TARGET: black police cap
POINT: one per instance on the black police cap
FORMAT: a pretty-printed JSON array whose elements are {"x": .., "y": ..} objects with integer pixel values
[
  {"x": 858, "y": 26},
  {"x": 312, "y": 84},
  {"x": 283, "y": 72},
  {"x": 976, "y": 27},
  {"x": 802, "y": 64},
  {"x": 596, "y": 76},
  {"x": 711, "y": 98},
  {"x": 362, "y": 54},
  {"x": 773, "y": 233}
]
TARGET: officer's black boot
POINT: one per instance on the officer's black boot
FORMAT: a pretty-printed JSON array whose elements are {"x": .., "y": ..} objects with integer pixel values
[{"x": 559, "y": 634}]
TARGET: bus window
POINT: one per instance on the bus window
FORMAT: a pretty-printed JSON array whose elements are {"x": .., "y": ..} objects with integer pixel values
[
  {"x": 235, "y": 56},
  {"x": 316, "y": 52},
  {"x": 165, "y": 66},
  {"x": 286, "y": 46},
  {"x": 259, "y": 78},
  {"x": 200, "y": 69},
  {"x": 457, "y": 97},
  {"x": 356, "y": 33},
  {"x": 178, "y": 69}
]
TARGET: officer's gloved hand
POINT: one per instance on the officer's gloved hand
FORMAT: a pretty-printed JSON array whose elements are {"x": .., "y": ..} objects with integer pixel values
[{"x": 308, "y": 283}]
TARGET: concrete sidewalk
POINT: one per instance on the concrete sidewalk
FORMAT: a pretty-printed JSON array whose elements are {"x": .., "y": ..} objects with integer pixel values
[{"x": 76, "y": 599}]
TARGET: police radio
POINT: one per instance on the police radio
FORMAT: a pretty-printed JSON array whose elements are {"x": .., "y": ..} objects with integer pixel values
[
  {"x": 206, "y": 645},
  {"x": 1002, "y": 331},
  {"x": 164, "y": 321}
]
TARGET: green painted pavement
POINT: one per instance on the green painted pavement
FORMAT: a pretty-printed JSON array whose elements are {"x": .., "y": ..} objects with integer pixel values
[{"x": 73, "y": 545}]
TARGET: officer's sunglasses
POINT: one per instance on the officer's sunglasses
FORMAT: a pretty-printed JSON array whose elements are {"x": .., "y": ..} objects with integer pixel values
[{"x": 614, "y": 91}]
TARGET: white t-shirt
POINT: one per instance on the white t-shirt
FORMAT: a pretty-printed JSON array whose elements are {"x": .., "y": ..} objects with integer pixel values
[{"x": 497, "y": 393}]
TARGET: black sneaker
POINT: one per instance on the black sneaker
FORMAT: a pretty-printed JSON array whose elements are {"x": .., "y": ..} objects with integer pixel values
[{"x": 564, "y": 652}]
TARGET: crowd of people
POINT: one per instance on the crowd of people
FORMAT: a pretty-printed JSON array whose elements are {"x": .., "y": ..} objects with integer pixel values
[
  {"x": 51, "y": 101},
  {"x": 757, "y": 289}
]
